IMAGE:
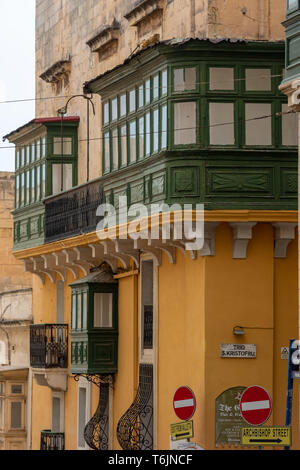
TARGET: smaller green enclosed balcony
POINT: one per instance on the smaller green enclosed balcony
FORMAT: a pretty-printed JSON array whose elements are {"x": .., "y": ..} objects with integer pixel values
[
  {"x": 94, "y": 323},
  {"x": 46, "y": 164}
]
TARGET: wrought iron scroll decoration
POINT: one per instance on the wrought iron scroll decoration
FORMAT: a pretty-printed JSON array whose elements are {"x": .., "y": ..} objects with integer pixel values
[
  {"x": 135, "y": 428},
  {"x": 96, "y": 431}
]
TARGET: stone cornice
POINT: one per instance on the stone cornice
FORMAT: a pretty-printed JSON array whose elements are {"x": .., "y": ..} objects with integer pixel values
[
  {"x": 57, "y": 72},
  {"x": 104, "y": 37},
  {"x": 142, "y": 10}
]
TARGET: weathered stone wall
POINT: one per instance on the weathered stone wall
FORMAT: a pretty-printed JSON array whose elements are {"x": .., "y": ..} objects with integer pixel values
[
  {"x": 12, "y": 275},
  {"x": 64, "y": 26}
]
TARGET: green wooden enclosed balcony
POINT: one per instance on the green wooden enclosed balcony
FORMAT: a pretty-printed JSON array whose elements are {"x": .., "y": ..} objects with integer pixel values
[{"x": 94, "y": 324}]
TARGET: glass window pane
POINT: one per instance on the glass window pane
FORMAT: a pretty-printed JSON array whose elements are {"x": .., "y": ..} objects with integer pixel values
[
  {"x": 185, "y": 123},
  {"x": 147, "y": 91},
  {"x": 123, "y": 145},
  {"x": 147, "y": 133},
  {"x": 17, "y": 389},
  {"x": 27, "y": 186},
  {"x": 258, "y": 131},
  {"x": 38, "y": 150},
  {"x": 43, "y": 147},
  {"x": 33, "y": 184},
  {"x": 27, "y": 154},
  {"x": 123, "y": 107},
  {"x": 185, "y": 79},
  {"x": 43, "y": 180},
  {"x": 38, "y": 183},
  {"x": 221, "y": 78},
  {"x": 292, "y": 4},
  {"x": 289, "y": 127},
  {"x": 114, "y": 109},
  {"x": 79, "y": 312},
  {"x": 141, "y": 137},
  {"x": 22, "y": 188},
  {"x": 106, "y": 152},
  {"x": 84, "y": 310},
  {"x": 16, "y": 415},
  {"x": 55, "y": 414},
  {"x": 16, "y": 205},
  {"x": 115, "y": 147},
  {"x": 132, "y": 140},
  {"x": 132, "y": 101},
  {"x": 67, "y": 146},
  {"x": 74, "y": 310},
  {"x": 33, "y": 151},
  {"x": 102, "y": 310},
  {"x": 220, "y": 113},
  {"x": 258, "y": 79},
  {"x": 147, "y": 304},
  {"x": 141, "y": 96},
  {"x": 62, "y": 178},
  {"x": 17, "y": 159},
  {"x": 105, "y": 113},
  {"x": 81, "y": 416},
  {"x": 22, "y": 156},
  {"x": 164, "y": 82},
  {"x": 155, "y": 87},
  {"x": 155, "y": 130},
  {"x": 164, "y": 126}
]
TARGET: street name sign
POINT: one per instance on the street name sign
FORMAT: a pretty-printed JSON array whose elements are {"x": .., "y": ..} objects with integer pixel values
[
  {"x": 255, "y": 405},
  {"x": 234, "y": 351},
  {"x": 183, "y": 430},
  {"x": 184, "y": 403},
  {"x": 266, "y": 436}
]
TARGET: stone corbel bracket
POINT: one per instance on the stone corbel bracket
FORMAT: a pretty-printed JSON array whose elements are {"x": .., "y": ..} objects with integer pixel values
[
  {"x": 209, "y": 243},
  {"x": 143, "y": 10},
  {"x": 56, "y": 379},
  {"x": 284, "y": 235},
  {"x": 106, "y": 39},
  {"x": 57, "y": 72},
  {"x": 242, "y": 234}
]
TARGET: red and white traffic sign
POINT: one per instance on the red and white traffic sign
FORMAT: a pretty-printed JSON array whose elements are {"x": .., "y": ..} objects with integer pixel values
[
  {"x": 184, "y": 403},
  {"x": 255, "y": 405}
]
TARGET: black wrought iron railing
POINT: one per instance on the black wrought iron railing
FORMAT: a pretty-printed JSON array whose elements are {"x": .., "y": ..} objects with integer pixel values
[
  {"x": 135, "y": 428},
  {"x": 73, "y": 212},
  {"x": 49, "y": 345},
  {"x": 52, "y": 440}
]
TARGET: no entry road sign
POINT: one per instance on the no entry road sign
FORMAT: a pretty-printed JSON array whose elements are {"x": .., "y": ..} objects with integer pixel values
[
  {"x": 255, "y": 405},
  {"x": 184, "y": 403}
]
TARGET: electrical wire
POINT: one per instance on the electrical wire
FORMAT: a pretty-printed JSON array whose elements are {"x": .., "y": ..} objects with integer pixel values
[
  {"x": 163, "y": 87},
  {"x": 175, "y": 130}
]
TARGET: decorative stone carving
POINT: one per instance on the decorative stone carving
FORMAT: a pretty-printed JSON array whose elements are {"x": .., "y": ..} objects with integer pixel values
[
  {"x": 105, "y": 41},
  {"x": 57, "y": 72},
  {"x": 146, "y": 15},
  {"x": 284, "y": 234},
  {"x": 242, "y": 234}
]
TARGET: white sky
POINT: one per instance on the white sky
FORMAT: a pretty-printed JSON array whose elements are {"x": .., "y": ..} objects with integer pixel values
[{"x": 17, "y": 69}]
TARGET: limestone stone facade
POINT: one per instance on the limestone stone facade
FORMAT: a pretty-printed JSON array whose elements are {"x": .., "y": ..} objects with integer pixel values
[{"x": 64, "y": 28}]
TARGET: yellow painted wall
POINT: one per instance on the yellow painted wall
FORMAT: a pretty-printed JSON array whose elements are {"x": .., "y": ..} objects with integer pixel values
[
  {"x": 200, "y": 301},
  {"x": 181, "y": 340}
]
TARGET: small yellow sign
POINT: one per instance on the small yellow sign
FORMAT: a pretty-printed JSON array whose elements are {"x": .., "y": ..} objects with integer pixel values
[
  {"x": 266, "y": 436},
  {"x": 184, "y": 430}
]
